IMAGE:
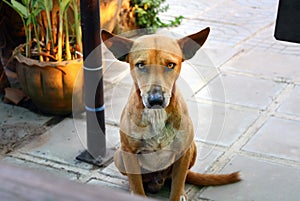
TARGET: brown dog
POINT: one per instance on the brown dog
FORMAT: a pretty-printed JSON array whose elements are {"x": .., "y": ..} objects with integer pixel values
[{"x": 155, "y": 128}]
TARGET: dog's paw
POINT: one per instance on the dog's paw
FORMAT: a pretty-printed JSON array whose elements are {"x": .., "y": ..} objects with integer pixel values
[{"x": 183, "y": 197}]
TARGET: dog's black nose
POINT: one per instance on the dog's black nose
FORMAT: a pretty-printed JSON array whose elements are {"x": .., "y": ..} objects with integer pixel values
[{"x": 155, "y": 96}]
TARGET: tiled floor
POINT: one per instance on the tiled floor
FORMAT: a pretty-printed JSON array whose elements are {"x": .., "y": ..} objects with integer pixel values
[
  {"x": 269, "y": 139},
  {"x": 262, "y": 180},
  {"x": 242, "y": 90}
]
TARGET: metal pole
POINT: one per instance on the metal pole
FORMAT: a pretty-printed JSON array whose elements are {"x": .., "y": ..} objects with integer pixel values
[{"x": 93, "y": 83}]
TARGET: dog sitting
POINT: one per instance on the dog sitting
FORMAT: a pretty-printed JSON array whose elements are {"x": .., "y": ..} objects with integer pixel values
[{"x": 156, "y": 131}]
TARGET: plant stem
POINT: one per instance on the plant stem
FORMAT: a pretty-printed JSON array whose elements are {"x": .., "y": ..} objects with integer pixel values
[
  {"x": 49, "y": 29},
  {"x": 27, "y": 39},
  {"x": 67, "y": 44},
  {"x": 77, "y": 26},
  {"x": 37, "y": 37},
  {"x": 48, "y": 8},
  {"x": 60, "y": 37}
]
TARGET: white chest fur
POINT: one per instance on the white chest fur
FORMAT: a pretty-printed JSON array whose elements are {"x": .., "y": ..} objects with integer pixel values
[
  {"x": 159, "y": 143},
  {"x": 153, "y": 132}
]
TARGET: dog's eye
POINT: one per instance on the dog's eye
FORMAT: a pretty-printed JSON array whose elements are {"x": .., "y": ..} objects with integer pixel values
[
  {"x": 140, "y": 65},
  {"x": 171, "y": 66}
]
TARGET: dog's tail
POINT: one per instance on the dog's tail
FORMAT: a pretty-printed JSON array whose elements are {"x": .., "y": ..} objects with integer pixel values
[{"x": 212, "y": 179}]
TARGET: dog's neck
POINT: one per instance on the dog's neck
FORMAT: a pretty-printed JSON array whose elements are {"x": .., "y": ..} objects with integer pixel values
[{"x": 174, "y": 109}]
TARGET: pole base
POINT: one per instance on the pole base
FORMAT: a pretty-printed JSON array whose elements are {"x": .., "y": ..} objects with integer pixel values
[{"x": 100, "y": 161}]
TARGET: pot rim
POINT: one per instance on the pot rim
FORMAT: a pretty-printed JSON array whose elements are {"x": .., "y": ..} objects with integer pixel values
[{"x": 33, "y": 62}]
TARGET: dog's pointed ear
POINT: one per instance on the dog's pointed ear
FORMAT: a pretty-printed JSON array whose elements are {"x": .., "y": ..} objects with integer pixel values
[
  {"x": 118, "y": 45},
  {"x": 192, "y": 43}
]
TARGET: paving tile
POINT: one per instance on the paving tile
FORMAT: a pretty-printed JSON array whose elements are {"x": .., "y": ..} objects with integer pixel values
[
  {"x": 257, "y": 4},
  {"x": 65, "y": 141},
  {"x": 115, "y": 99},
  {"x": 213, "y": 57},
  {"x": 237, "y": 12},
  {"x": 206, "y": 155},
  {"x": 291, "y": 104},
  {"x": 111, "y": 183},
  {"x": 261, "y": 181},
  {"x": 265, "y": 41},
  {"x": 229, "y": 20},
  {"x": 61, "y": 143},
  {"x": 274, "y": 65},
  {"x": 18, "y": 125},
  {"x": 126, "y": 81},
  {"x": 13, "y": 136},
  {"x": 117, "y": 85},
  {"x": 113, "y": 171},
  {"x": 278, "y": 137},
  {"x": 114, "y": 70},
  {"x": 194, "y": 8},
  {"x": 221, "y": 35},
  {"x": 112, "y": 132},
  {"x": 241, "y": 90},
  {"x": 219, "y": 124},
  {"x": 14, "y": 114},
  {"x": 192, "y": 78},
  {"x": 40, "y": 168}
]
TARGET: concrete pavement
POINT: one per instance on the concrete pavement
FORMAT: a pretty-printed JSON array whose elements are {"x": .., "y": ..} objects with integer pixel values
[{"x": 243, "y": 93}]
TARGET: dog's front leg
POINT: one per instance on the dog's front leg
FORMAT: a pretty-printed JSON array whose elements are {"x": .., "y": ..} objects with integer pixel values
[
  {"x": 179, "y": 172},
  {"x": 133, "y": 172}
]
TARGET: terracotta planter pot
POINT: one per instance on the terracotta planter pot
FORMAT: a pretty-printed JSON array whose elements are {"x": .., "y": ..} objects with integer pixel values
[{"x": 52, "y": 86}]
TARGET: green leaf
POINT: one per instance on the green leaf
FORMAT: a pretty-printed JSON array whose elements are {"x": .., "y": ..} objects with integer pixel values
[
  {"x": 147, "y": 11},
  {"x": 33, "y": 2},
  {"x": 64, "y": 4},
  {"x": 48, "y": 4},
  {"x": 25, "y": 2},
  {"x": 20, "y": 8},
  {"x": 28, "y": 21},
  {"x": 37, "y": 11}
]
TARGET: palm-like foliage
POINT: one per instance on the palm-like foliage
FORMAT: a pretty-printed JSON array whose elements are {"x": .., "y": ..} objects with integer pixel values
[{"x": 47, "y": 38}]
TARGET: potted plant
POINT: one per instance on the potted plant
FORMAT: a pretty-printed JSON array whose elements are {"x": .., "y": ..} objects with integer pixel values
[
  {"x": 144, "y": 15},
  {"x": 146, "y": 12},
  {"x": 49, "y": 63}
]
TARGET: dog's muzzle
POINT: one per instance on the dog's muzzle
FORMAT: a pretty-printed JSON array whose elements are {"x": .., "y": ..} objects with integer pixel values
[{"x": 155, "y": 98}]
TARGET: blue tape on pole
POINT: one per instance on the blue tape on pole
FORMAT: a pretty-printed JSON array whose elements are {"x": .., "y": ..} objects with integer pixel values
[{"x": 98, "y": 109}]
